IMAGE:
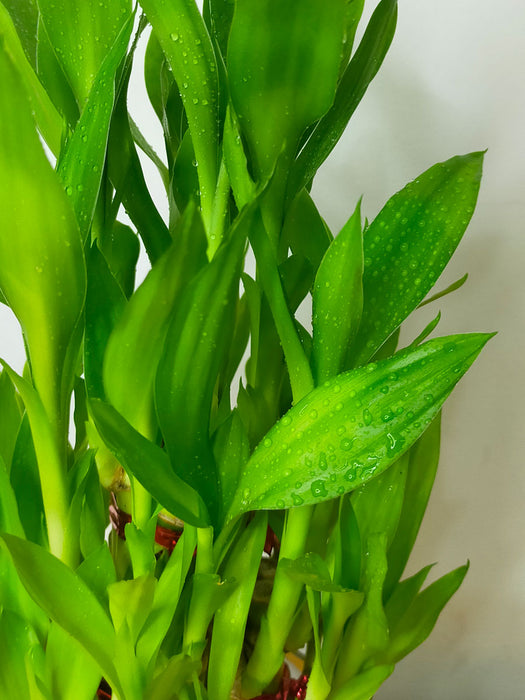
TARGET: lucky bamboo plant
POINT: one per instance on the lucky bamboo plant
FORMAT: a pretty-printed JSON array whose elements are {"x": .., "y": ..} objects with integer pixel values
[{"x": 257, "y": 506}]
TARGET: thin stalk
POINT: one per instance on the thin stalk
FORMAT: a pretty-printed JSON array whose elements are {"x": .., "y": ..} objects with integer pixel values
[
  {"x": 268, "y": 654},
  {"x": 220, "y": 211}
]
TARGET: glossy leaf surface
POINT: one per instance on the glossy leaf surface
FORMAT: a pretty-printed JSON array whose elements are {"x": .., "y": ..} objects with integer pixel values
[
  {"x": 337, "y": 437},
  {"x": 409, "y": 243},
  {"x": 282, "y": 71},
  {"x": 42, "y": 270},
  {"x": 82, "y": 34}
]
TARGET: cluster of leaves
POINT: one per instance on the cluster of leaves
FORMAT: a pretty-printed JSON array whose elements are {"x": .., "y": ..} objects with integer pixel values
[{"x": 333, "y": 436}]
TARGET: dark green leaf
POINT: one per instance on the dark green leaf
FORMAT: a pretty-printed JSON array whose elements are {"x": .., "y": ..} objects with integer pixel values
[
  {"x": 232, "y": 450},
  {"x": 9, "y": 518},
  {"x": 11, "y": 417},
  {"x": 181, "y": 32},
  {"x": 304, "y": 231},
  {"x": 338, "y": 300},
  {"x": 42, "y": 272},
  {"x": 24, "y": 16},
  {"x": 141, "y": 330},
  {"x": 48, "y": 119},
  {"x": 311, "y": 570},
  {"x": 121, "y": 248},
  {"x": 81, "y": 162},
  {"x": 221, "y": 15},
  {"x": 66, "y": 599},
  {"x": 358, "y": 75},
  {"x": 282, "y": 69},
  {"x": 409, "y": 243},
  {"x": 149, "y": 464},
  {"x": 196, "y": 344},
  {"x": 242, "y": 184},
  {"x": 354, "y": 426},
  {"x": 419, "y": 620},
  {"x": 422, "y": 466},
  {"x": 82, "y": 34}
]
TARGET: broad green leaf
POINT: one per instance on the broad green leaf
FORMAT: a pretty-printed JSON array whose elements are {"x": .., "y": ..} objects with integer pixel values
[
  {"x": 17, "y": 639},
  {"x": 11, "y": 418},
  {"x": 98, "y": 572},
  {"x": 141, "y": 330},
  {"x": 166, "y": 598},
  {"x": 66, "y": 599},
  {"x": 409, "y": 243},
  {"x": 130, "y": 603},
  {"x": 403, "y": 596},
  {"x": 338, "y": 300},
  {"x": 149, "y": 464},
  {"x": 140, "y": 543},
  {"x": 172, "y": 679},
  {"x": 154, "y": 75},
  {"x": 182, "y": 34},
  {"x": 242, "y": 184},
  {"x": 81, "y": 162},
  {"x": 355, "y": 80},
  {"x": 24, "y": 16},
  {"x": 353, "y": 427},
  {"x": 46, "y": 115},
  {"x": 282, "y": 71},
  {"x": 422, "y": 466},
  {"x": 419, "y": 620},
  {"x": 105, "y": 303},
  {"x": 304, "y": 231},
  {"x": 196, "y": 344},
  {"x": 229, "y": 623},
  {"x": 121, "y": 247},
  {"x": 364, "y": 685},
  {"x": 42, "y": 273},
  {"x": 71, "y": 672},
  {"x": 25, "y": 481},
  {"x": 312, "y": 571},
  {"x": 368, "y": 631},
  {"x": 82, "y": 34},
  {"x": 231, "y": 449}
]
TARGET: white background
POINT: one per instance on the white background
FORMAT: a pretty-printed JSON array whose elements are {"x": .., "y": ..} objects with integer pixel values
[{"x": 452, "y": 83}]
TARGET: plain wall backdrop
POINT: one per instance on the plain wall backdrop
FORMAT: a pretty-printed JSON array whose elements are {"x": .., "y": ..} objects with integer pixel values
[{"x": 452, "y": 83}]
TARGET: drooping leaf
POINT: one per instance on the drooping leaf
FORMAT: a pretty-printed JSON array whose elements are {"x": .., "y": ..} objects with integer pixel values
[
  {"x": 141, "y": 330},
  {"x": 337, "y": 437},
  {"x": 282, "y": 71},
  {"x": 42, "y": 271},
  {"x": 338, "y": 300},
  {"x": 82, "y": 34},
  {"x": 149, "y": 464},
  {"x": 229, "y": 623},
  {"x": 422, "y": 466},
  {"x": 419, "y": 620},
  {"x": 46, "y": 115},
  {"x": 358, "y": 75},
  {"x": 182, "y": 34},
  {"x": 81, "y": 162},
  {"x": 66, "y": 599},
  {"x": 409, "y": 243}
]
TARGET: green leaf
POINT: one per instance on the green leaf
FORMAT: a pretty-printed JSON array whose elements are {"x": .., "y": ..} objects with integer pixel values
[
  {"x": 149, "y": 464},
  {"x": 166, "y": 598},
  {"x": 312, "y": 571},
  {"x": 17, "y": 639},
  {"x": 451, "y": 288},
  {"x": 282, "y": 70},
  {"x": 229, "y": 623},
  {"x": 11, "y": 419},
  {"x": 182, "y": 34},
  {"x": 9, "y": 518},
  {"x": 140, "y": 543},
  {"x": 242, "y": 184},
  {"x": 318, "y": 684},
  {"x": 419, "y": 620},
  {"x": 409, "y": 243},
  {"x": 196, "y": 344},
  {"x": 358, "y": 75},
  {"x": 364, "y": 685},
  {"x": 422, "y": 466},
  {"x": 171, "y": 680},
  {"x": 338, "y": 300},
  {"x": 221, "y": 15},
  {"x": 71, "y": 671},
  {"x": 98, "y": 572},
  {"x": 141, "y": 330},
  {"x": 353, "y": 427},
  {"x": 46, "y": 115},
  {"x": 427, "y": 330},
  {"x": 231, "y": 449},
  {"x": 42, "y": 273},
  {"x": 66, "y": 599},
  {"x": 82, "y": 34},
  {"x": 130, "y": 603},
  {"x": 121, "y": 248},
  {"x": 403, "y": 596},
  {"x": 81, "y": 162},
  {"x": 304, "y": 231}
]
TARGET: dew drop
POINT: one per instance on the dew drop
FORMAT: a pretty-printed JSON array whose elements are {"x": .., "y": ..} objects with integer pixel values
[
  {"x": 69, "y": 190},
  {"x": 350, "y": 475},
  {"x": 267, "y": 442},
  {"x": 318, "y": 488},
  {"x": 313, "y": 414},
  {"x": 174, "y": 36},
  {"x": 346, "y": 444},
  {"x": 280, "y": 503},
  {"x": 391, "y": 441},
  {"x": 323, "y": 464},
  {"x": 367, "y": 417},
  {"x": 286, "y": 420},
  {"x": 297, "y": 500}
]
